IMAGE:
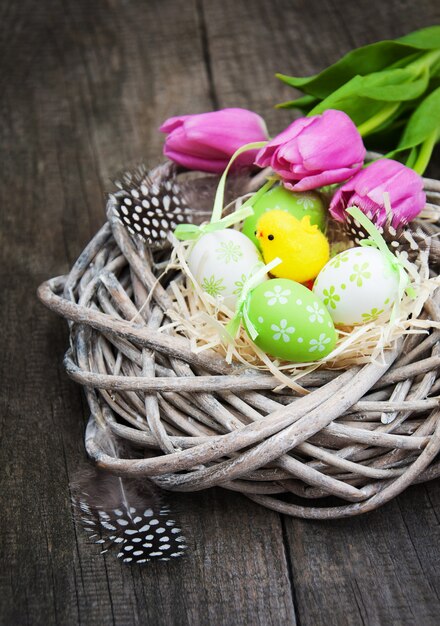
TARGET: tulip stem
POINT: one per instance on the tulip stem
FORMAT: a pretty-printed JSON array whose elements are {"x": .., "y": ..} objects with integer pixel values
[
  {"x": 426, "y": 61},
  {"x": 370, "y": 125},
  {"x": 425, "y": 153},
  {"x": 412, "y": 157}
]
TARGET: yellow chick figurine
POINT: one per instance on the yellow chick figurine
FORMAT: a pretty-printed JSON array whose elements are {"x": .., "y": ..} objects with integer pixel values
[{"x": 301, "y": 246}]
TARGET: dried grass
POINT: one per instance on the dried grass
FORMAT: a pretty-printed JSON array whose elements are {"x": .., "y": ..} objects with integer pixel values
[{"x": 202, "y": 318}]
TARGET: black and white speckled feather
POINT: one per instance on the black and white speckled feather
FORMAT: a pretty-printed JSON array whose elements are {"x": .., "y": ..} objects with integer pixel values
[
  {"x": 150, "y": 206},
  {"x": 398, "y": 239},
  {"x": 125, "y": 514}
]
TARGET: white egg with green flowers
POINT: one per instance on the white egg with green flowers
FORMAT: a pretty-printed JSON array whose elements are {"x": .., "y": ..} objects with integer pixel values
[
  {"x": 221, "y": 262},
  {"x": 358, "y": 285}
]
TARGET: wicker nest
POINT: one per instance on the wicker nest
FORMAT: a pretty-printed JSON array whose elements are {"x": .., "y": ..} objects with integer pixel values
[{"x": 201, "y": 422}]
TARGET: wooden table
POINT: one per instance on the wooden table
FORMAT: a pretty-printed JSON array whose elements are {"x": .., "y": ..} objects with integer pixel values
[{"x": 84, "y": 87}]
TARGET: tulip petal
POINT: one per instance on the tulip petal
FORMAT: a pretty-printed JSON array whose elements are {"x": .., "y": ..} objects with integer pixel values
[
  {"x": 409, "y": 209},
  {"x": 172, "y": 123},
  {"x": 215, "y": 166},
  {"x": 267, "y": 153},
  {"x": 339, "y": 203},
  {"x": 180, "y": 141},
  {"x": 291, "y": 132},
  {"x": 332, "y": 143},
  {"x": 207, "y": 141},
  {"x": 367, "y": 188},
  {"x": 320, "y": 179},
  {"x": 315, "y": 151}
]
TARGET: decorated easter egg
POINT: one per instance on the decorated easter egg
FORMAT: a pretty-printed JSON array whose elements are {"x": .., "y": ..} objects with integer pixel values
[
  {"x": 292, "y": 324},
  {"x": 297, "y": 204},
  {"x": 221, "y": 262},
  {"x": 357, "y": 285}
]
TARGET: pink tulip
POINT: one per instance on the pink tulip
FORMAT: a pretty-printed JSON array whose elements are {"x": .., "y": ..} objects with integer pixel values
[
  {"x": 365, "y": 191},
  {"x": 206, "y": 141},
  {"x": 315, "y": 151}
]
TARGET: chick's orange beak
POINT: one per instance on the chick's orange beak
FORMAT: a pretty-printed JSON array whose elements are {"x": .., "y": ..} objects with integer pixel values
[{"x": 259, "y": 234}]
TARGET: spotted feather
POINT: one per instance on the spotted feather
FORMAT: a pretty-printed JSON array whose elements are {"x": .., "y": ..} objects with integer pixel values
[
  {"x": 124, "y": 515},
  {"x": 149, "y": 207},
  {"x": 398, "y": 239}
]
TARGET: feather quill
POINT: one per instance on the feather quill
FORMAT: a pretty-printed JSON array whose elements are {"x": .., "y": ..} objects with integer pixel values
[{"x": 123, "y": 513}]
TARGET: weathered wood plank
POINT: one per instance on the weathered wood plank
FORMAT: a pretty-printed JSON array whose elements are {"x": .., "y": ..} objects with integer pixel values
[
  {"x": 87, "y": 85},
  {"x": 383, "y": 568}
]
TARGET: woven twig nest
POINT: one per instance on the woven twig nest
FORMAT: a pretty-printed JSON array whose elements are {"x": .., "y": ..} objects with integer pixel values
[{"x": 201, "y": 421}]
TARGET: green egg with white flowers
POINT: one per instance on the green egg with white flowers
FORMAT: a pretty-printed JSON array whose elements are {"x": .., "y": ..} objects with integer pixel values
[
  {"x": 297, "y": 204},
  {"x": 291, "y": 323}
]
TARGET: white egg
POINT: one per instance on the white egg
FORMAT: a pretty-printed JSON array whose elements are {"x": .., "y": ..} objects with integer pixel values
[
  {"x": 222, "y": 261},
  {"x": 357, "y": 286}
]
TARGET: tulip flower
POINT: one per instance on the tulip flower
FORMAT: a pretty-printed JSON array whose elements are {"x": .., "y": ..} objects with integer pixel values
[
  {"x": 206, "y": 142},
  {"x": 366, "y": 191},
  {"x": 315, "y": 151}
]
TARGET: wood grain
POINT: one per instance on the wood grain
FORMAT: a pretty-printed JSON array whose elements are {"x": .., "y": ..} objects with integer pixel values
[
  {"x": 88, "y": 85},
  {"x": 84, "y": 87}
]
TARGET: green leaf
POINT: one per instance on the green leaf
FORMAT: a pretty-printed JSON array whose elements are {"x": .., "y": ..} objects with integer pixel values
[
  {"x": 393, "y": 85},
  {"x": 305, "y": 103},
  {"x": 361, "y": 61},
  {"x": 423, "y": 122},
  {"x": 387, "y": 86},
  {"x": 365, "y": 60},
  {"x": 358, "y": 109},
  {"x": 424, "y": 39},
  {"x": 383, "y": 87},
  {"x": 404, "y": 61},
  {"x": 365, "y": 97}
]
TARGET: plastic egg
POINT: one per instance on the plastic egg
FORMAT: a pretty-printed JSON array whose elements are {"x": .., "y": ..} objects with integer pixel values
[
  {"x": 297, "y": 204},
  {"x": 292, "y": 324},
  {"x": 221, "y": 262},
  {"x": 357, "y": 286}
]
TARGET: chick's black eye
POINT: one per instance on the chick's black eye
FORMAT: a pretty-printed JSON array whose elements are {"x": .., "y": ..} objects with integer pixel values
[
  {"x": 270, "y": 237},
  {"x": 255, "y": 232}
]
